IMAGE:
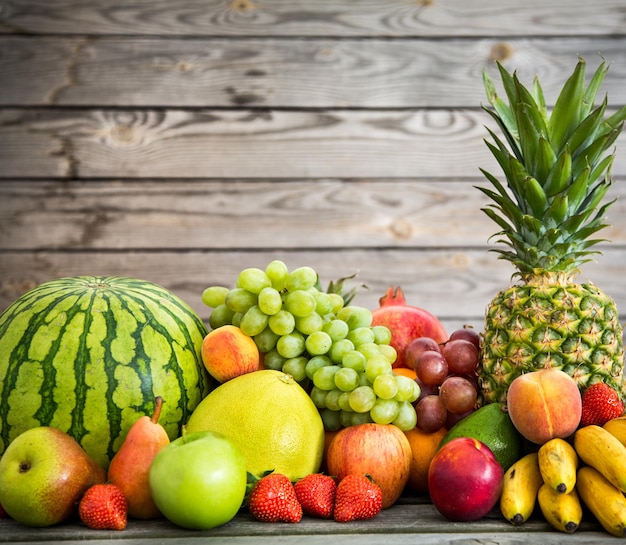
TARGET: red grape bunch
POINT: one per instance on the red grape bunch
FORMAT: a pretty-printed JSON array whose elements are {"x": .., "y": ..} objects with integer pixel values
[{"x": 446, "y": 374}]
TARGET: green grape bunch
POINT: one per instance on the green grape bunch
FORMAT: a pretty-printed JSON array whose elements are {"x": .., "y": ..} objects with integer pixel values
[{"x": 327, "y": 344}]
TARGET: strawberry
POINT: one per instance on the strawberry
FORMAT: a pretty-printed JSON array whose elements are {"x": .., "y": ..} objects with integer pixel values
[
  {"x": 273, "y": 499},
  {"x": 601, "y": 403},
  {"x": 358, "y": 498},
  {"x": 103, "y": 507},
  {"x": 316, "y": 494}
]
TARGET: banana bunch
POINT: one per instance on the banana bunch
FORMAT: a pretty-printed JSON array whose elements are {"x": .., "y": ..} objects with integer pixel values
[{"x": 562, "y": 476}]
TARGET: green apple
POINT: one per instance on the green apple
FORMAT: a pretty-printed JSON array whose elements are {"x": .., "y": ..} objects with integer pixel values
[
  {"x": 43, "y": 474},
  {"x": 198, "y": 481}
]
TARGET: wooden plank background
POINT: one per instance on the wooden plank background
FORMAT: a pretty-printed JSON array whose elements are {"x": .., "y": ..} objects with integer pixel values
[{"x": 183, "y": 141}]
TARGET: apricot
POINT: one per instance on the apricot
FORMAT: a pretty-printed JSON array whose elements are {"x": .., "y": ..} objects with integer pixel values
[
  {"x": 228, "y": 352},
  {"x": 544, "y": 404}
]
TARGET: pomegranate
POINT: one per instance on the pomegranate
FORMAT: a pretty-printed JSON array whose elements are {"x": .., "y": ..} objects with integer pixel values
[{"x": 406, "y": 322}]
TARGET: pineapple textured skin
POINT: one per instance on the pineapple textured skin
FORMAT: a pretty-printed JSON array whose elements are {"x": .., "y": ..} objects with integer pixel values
[{"x": 567, "y": 326}]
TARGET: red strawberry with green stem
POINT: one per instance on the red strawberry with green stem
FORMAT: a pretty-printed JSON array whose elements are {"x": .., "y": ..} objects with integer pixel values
[
  {"x": 600, "y": 403},
  {"x": 104, "y": 507},
  {"x": 358, "y": 498},
  {"x": 316, "y": 494},
  {"x": 273, "y": 499}
]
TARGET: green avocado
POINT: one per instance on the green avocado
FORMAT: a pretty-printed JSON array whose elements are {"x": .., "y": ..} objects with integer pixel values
[{"x": 491, "y": 424}]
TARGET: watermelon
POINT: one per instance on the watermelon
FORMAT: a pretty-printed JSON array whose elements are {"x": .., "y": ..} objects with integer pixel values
[{"x": 89, "y": 355}]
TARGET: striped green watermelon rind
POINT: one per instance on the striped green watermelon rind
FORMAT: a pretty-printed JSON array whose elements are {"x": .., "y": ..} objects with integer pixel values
[{"x": 89, "y": 355}]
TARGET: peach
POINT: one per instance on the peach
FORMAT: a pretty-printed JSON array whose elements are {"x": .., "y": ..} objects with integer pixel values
[
  {"x": 228, "y": 352},
  {"x": 544, "y": 404}
]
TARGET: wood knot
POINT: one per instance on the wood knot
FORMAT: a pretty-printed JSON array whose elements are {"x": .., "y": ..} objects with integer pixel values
[{"x": 501, "y": 51}]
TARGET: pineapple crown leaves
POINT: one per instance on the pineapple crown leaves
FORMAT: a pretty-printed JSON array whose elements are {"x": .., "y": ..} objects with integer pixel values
[{"x": 557, "y": 169}]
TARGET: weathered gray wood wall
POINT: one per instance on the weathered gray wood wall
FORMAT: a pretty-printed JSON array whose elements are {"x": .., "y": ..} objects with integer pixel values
[{"x": 183, "y": 141}]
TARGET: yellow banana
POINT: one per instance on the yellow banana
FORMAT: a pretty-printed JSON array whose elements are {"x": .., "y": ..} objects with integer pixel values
[
  {"x": 603, "y": 451},
  {"x": 604, "y": 500},
  {"x": 558, "y": 463},
  {"x": 617, "y": 428},
  {"x": 562, "y": 511},
  {"x": 519, "y": 491}
]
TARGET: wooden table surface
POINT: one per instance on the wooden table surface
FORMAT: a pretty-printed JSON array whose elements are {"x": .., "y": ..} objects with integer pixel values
[{"x": 411, "y": 520}]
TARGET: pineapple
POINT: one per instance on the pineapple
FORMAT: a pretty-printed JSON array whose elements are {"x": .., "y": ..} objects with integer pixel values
[{"x": 557, "y": 171}]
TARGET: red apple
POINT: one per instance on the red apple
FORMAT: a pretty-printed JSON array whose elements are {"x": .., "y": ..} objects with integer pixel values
[
  {"x": 379, "y": 450},
  {"x": 464, "y": 479}
]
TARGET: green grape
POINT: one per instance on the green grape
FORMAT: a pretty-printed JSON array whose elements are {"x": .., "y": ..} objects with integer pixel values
[
  {"x": 332, "y": 399},
  {"x": 345, "y": 417},
  {"x": 369, "y": 350},
  {"x": 277, "y": 272},
  {"x": 408, "y": 389},
  {"x": 385, "y": 386},
  {"x": 388, "y": 351},
  {"x": 324, "y": 377},
  {"x": 355, "y": 316},
  {"x": 301, "y": 278},
  {"x": 361, "y": 335},
  {"x": 253, "y": 280},
  {"x": 362, "y": 399},
  {"x": 270, "y": 301},
  {"x": 407, "y": 417},
  {"x": 318, "y": 343},
  {"x": 240, "y": 300},
  {"x": 363, "y": 380},
  {"x": 337, "y": 329},
  {"x": 236, "y": 319},
  {"x": 338, "y": 302},
  {"x": 309, "y": 324},
  {"x": 273, "y": 360},
  {"x": 384, "y": 411},
  {"x": 331, "y": 419},
  {"x": 253, "y": 321},
  {"x": 296, "y": 367},
  {"x": 346, "y": 379},
  {"x": 360, "y": 418},
  {"x": 323, "y": 302},
  {"x": 318, "y": 397},
  {"x": 382, "y": 334},
  {"x": 338, "y": 349},
  {"x": 282, "y": 323},
  {"x": 354, "y": 360},
  {"x": 266, "y": 340},
  {"x": 220, "y": 316},
  {"x": 290, "y": 345},
  {"x": 214, "y": 296},
  {"x": 344, "y": 402},
  {"x": 377, "y": 365},
  {"x": 315, "y": 363},
  {"x": 300, "y": 303}
]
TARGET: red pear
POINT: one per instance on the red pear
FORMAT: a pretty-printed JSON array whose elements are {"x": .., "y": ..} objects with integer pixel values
[{"x": 129, "y": 468}]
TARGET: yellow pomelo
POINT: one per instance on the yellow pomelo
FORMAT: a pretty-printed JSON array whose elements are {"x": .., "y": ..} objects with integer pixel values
[{"x": 270, "y": 417}]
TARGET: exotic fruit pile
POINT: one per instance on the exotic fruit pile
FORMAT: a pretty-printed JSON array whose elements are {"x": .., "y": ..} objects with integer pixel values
[
  {"x": 118, "y": 402},
  {"x": 90, "y": 354},
  {"x": 549, "y": 209}
]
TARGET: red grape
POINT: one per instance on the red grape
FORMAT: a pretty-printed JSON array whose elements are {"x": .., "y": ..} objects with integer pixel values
[
  {"x": 431, "y": 367},
  {"x": 468, "y": 334},
  {"x": 431, "y": 414},
  {"x": 415, "y": 348},
  {"x": 453, "y": 419},
  {"x": 458, "y": 394},
  {"x": 461, "y": 355},
  {"x": 426, "y": 389}
]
